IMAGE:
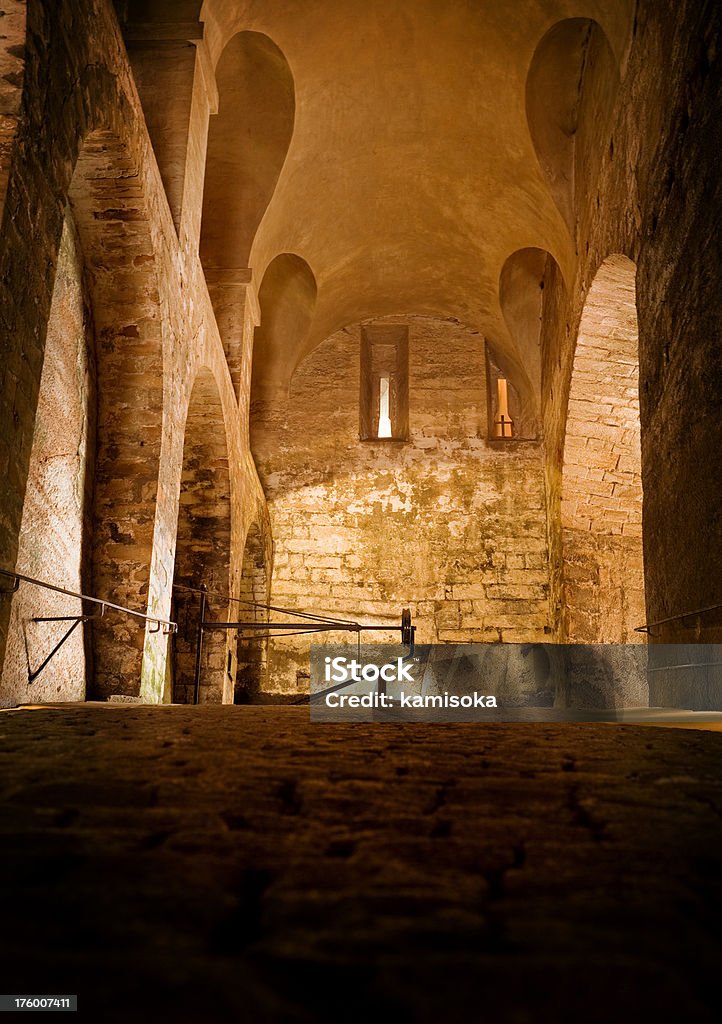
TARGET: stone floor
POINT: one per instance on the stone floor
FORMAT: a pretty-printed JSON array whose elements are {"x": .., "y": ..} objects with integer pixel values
[{"x": 240, "y": 864}]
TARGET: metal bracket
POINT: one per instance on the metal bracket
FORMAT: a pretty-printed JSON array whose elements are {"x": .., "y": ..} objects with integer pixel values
[
  {"x": 75, "y": 620},
  {"x": 13, "y": 589}
]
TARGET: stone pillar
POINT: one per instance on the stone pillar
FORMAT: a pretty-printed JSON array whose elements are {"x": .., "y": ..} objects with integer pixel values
[
  {"x": 176, "y": 82},
  {"x": 235, "y": 304}
]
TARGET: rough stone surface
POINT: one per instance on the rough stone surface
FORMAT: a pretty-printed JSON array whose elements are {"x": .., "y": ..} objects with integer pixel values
[
  {"x": 444, "y": 524},
  {"x": 657, "y": 160},
  {"x": 516, "y": 154},
  {"x": 86, "y": 141},
  {"x": 245, "y": 864},
  {"x": 57, "y": 500},
  {"x": 601, "y": 505}
]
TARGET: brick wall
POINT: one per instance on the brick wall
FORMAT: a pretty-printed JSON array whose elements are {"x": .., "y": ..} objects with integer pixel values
[
  {"x": 81, "y": 136},
  {"x": 655, "y": 198},
  {"x": 601, "y": 505},
  {"x": 445, "y": 524}
]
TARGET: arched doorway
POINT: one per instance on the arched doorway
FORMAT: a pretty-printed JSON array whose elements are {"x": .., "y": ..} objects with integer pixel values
[
  {"x": 254, "y": 596},
  {"x": 601, "y": 508},
  {"x": 203, "y": 548},
  {"x": 110, "y": 206}
]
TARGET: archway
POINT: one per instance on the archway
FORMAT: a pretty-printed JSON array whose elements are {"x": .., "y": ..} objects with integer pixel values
[
  {"x": 203, "y": 548},
  {"x": 254, "y": 596},
  {"x": 601, "y": 508},
  {"x": 522, "y": 287},
  {"x": 112, "y": 390},
  {"x": 111, "y": 210}
]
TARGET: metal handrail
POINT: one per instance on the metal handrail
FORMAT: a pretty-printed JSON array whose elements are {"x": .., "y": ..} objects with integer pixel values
[
  {"x": 649, "y": 626},
  {"x": 202, "y": 589},
  {"x": 17, "y": 577}
]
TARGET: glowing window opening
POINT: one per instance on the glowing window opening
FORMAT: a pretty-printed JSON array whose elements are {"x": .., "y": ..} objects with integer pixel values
[
  {"x": 503, "y": 424},
  {"x": 384, "y": 408}
]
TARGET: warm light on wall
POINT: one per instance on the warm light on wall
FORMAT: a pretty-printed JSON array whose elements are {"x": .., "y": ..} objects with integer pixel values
[{"x": 503, "y": 425}]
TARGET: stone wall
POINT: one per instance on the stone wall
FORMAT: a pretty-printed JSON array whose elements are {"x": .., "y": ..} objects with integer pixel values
[
  {"x": 601, "y": 504},
  {"x": 446, "y": 524},
  {"x": 57, "y": 500},
  {"x": 12, "y": 44},
  {"x": 656, "y": 199},
  {"x": 81, "y": 136}
]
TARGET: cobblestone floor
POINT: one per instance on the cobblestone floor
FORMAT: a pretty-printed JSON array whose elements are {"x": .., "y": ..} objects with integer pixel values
[{"x": 240, "y": 864}]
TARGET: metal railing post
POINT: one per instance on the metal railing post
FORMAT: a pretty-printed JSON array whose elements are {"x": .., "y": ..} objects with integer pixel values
[{"x": 199, "y": 643}]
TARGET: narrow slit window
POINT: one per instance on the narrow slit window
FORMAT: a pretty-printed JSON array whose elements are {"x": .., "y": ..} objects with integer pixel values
[
  {"x": 503, "y": 424},
  {"x": 502, "y": 398},
  {"x": 384, "y": 408},
  {"x": 384, "y": 394}
]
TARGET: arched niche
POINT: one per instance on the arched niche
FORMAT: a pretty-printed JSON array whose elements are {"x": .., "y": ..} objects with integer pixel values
[
  {"x": 203, "y": 547},
  {"x": 521, "y": 296},
  {"x": 287, "y": 298},
  {"x": 570, "y": 92},
  {"x": 248, "y": 140},
  {"x": 601, "y": 505},
  {"x": 252, "y": 662},
  {"x": 12, "y": 67}
]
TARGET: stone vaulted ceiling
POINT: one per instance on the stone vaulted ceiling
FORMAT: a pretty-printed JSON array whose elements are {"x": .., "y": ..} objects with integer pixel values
[{"x": 411, "y": 175}]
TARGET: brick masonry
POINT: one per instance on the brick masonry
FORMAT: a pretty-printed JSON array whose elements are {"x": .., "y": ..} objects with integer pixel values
[
  {"x": 657, "y": 159},
  {"x": 601, "y": 505},
  {"x": 86, "y": 140},
  {"x": 446, "y": 524},
  {"x": 644, "y": 186}
]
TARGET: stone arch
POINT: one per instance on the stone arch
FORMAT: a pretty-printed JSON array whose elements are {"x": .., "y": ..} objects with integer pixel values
[
  {"x": 58, "y": 156},
  {"x": 12, "y": 68},
  {"x": 203, "y": 546},
  {"x": 255, "y": 91},
  {"x": 252, "y": 661},
  {"x": 601, "y": 504},
  {"x": 114, "y": 257},
  {"x": 570, "y": 90},
  {"x": 109, "y": 204}
]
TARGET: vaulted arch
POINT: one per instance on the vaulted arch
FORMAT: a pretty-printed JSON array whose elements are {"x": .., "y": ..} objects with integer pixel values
[
  {"x": 56, "y": 527},
  {"x": 252, "y": 664},
  {"x": 601, "y": 505},
  {"x": 522, "y": 284},
  {"x": 111, "y": 211},
  {"x": 203, "y": 546},
  {"x": 247, "y": 144},
  {"x": 114, "y": 375},
  {"x": 570, "y": 91}
]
